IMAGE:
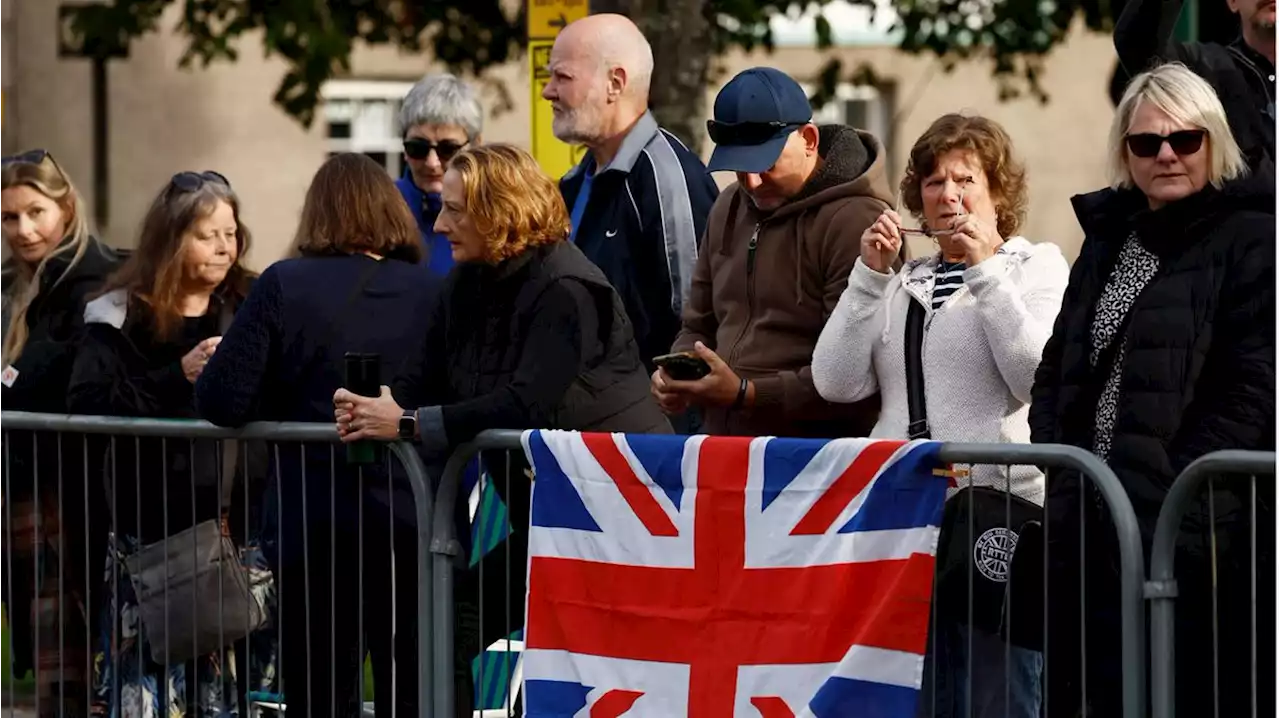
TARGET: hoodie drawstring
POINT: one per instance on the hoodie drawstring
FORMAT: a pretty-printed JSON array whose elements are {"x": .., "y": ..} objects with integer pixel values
[{"x": 894, "y": 285}]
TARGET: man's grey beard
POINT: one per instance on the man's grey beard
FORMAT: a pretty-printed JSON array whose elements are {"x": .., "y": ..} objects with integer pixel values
[{"x": 1266, "y": 28}]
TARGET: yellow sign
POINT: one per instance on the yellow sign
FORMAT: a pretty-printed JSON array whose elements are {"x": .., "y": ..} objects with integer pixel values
[
  {"x": 548, "y": 17},
  {"x": 555, "y": 157}
]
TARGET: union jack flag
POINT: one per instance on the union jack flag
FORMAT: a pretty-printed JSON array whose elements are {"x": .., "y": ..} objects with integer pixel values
[{"x": 723, "y": 576}]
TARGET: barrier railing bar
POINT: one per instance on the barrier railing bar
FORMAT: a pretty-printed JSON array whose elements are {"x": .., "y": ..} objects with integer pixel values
[
  {"x": 62, "y": 566},
  {"x": 36, "y": 510},
  {"x": 1162, "y": 589},
  {"x": 275, "y": 432},
  {"x": 423, "y": 504},
  {"x": 8, "y": 565},
  {"x": 283, "y": 431},
  {"x": 1132, "y": 561}
]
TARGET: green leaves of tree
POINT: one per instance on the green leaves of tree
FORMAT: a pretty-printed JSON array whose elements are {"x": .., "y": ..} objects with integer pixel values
[{"x": 316, "y": 37}]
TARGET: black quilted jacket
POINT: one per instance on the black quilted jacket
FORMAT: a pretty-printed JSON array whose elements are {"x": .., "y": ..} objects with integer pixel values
[{"x": 1199, "y": 373}]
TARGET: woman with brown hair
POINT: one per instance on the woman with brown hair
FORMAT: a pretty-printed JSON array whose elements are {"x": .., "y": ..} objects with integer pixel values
[
  {"x": 951, "y": 342},
  {"x": 354, "y": 286},
  {"x": 528, "y": 334},
  {"x": 54, "y": 264},
  {"x": 147, "y": 338}
]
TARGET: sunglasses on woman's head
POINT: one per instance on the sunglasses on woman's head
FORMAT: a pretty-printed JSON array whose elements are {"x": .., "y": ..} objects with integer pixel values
[
  {"x": 193, "y": 181},
  {"x": 417, "y": 148},
  {"x": 1148, "y": 144},
  {"x": 32, "y": 157}
]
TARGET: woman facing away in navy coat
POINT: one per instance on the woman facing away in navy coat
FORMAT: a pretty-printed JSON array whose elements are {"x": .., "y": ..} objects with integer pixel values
[{"x": 355, "y": 287}]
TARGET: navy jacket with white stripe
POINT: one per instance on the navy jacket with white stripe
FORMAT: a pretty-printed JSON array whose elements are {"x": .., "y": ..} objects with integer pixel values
[{"x": 642, "y": 226}]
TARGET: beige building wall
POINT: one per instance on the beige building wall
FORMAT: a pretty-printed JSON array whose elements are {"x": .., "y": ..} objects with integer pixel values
[
  {"x": 1063, "y": 143},
  {"x": 6, "y": 74},
  {"x": 164, "y": 119}
]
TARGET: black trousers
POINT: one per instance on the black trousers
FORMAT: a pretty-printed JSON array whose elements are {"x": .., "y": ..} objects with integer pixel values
[
  {"x": 1097, "y": 689},
  {"x": 342, "y": 594}
]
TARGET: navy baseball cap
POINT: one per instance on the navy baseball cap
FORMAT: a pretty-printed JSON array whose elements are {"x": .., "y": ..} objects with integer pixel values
[{"x": 754, "y": 115}]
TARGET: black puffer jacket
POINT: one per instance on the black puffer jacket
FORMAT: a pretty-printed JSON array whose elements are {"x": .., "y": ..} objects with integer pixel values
[
  {"x": 1198, "y": 376},
  {"x": 123, "y": 369},
  {"x": 539, "y": 341},
  {"x": 55, "y": 326},
  {"x": 1199, "y": 373},
  {"x": 1242, "y": 77},
  {"x": 54, "y": 323}
]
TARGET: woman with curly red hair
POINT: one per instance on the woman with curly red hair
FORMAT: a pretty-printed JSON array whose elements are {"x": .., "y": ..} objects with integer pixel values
[
  {"x": 951, "y": 343},
  {"x": 529, "y": 334}
]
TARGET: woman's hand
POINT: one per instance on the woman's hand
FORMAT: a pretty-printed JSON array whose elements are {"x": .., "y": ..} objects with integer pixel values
[
  {"x": 978, "y": 239},
  {"x": 193, "y": 363},
  {"x": 882, "y": 241},
  {"x": 367, "y": 417}
]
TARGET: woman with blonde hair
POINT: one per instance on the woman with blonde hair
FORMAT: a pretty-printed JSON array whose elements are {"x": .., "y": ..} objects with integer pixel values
[
  {"x": 528, "y": 335},
  {"x": 1165, "y": 351},
  {"x": 54, "y": 264}
]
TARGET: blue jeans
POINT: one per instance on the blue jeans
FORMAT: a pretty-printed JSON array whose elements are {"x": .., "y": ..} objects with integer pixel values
[{"x": 953, "y": 677}]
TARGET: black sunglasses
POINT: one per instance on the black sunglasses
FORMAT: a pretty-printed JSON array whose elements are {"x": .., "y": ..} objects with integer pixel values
[
  {"x": 31, "y": 157},
  {"x": 418, "y": 149},
  {"x": 1182, "y": 142},
  {"x": 747, "y": 133},
  {"x": 193, "y": 181}
]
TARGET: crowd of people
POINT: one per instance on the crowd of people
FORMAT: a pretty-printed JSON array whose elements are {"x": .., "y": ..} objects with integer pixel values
[{"x": 492, "y": 300}]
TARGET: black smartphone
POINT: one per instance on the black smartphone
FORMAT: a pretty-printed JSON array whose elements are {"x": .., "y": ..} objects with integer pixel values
[
  {"x": 683, "y": 366},
  {"x": 363, "y": 376}
]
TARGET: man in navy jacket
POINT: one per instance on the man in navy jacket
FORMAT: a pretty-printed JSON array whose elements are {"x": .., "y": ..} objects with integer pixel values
[{"x": 639, "y": 199}]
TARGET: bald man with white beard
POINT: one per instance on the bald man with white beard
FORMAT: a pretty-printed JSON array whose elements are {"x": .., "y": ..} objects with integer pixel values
[{"x": 639, "y": 199}]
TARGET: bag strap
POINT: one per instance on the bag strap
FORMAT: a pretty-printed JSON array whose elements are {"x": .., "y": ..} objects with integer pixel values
[
  {"x": 918, "y": 428},
  {"x": 230, "y": 447}
]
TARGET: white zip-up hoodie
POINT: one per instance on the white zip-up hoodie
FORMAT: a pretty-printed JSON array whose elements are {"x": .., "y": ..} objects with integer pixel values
[{"x": 980, "y": 350}]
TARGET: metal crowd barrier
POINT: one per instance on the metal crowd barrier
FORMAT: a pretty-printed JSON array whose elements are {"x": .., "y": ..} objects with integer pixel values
[
  {"x": 120, "y": 434},
  {"x": 496, "y": 693},
  {"x": 1162, "y": 589}
]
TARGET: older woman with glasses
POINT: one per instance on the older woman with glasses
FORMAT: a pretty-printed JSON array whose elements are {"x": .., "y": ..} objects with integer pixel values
[
  {"x": 440, "y": 116},
  {"x": 1165, "y": 351},
  {"x": 952, "y": 342},
  {"x": 147, "y": 339}
]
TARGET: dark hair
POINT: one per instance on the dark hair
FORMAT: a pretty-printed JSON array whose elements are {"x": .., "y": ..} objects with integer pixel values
[
  {"x": 353, "y": 206},
  {"x": 988, "y": 141},
  {"x": 153, "y": 273}
]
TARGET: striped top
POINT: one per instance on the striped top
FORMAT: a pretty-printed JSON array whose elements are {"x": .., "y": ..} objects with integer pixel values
[{"x": 948, "y": 277}]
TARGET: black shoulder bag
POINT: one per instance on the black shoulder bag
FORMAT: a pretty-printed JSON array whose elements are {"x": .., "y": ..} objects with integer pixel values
[{"x": 978, "y": 535}]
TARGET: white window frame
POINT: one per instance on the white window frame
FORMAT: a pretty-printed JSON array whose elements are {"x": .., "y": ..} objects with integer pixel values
[
  {"x": 835, "y": 112},
  {"x": 389, "y": 94}
]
